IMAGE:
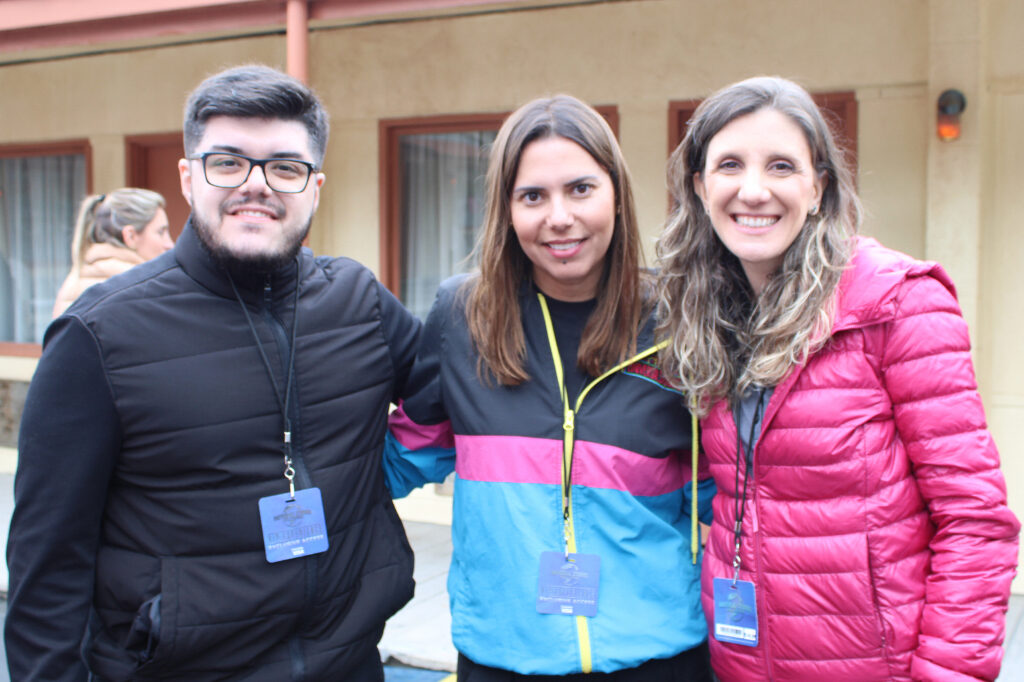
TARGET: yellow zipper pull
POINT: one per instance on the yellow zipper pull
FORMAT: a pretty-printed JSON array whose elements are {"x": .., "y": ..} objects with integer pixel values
[{"x": 569, "y": 425}]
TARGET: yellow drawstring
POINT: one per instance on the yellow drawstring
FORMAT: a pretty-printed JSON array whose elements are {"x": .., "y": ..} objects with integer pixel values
[{"x": 694, "y": 449}]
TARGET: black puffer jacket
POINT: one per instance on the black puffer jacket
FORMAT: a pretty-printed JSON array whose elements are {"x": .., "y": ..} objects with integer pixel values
[{"x": 151, "y": 431}]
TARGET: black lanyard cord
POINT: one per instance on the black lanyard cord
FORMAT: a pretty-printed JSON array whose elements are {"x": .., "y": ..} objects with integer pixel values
[
  {"x": 740, "y": 501},
  {"x": 282, "y": 403}
]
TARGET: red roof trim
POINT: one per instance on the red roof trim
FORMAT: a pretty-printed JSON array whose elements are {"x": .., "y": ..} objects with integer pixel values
[{"x": 41, "y": 24}]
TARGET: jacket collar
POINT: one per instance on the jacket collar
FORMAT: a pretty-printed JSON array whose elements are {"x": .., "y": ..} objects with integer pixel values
[{"x": 200, "y": 265}]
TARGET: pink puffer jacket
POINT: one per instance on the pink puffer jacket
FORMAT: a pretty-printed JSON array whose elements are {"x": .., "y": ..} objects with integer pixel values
[{"x": 876, "y": 528}]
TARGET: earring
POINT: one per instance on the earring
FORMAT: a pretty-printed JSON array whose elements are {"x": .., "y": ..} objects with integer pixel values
[{"x": 813, "y": 211}]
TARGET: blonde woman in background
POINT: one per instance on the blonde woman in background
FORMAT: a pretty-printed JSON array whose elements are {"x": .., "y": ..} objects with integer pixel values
[{"x": 114, "y": 232}]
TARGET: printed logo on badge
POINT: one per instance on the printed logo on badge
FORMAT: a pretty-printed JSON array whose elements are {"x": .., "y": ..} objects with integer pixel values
[
  {"x": 293, "y": 514},
  {"x": 293, "y": 527}
]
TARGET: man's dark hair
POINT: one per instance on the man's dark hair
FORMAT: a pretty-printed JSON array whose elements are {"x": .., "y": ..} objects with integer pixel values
[{"x": 256, "y": 91}]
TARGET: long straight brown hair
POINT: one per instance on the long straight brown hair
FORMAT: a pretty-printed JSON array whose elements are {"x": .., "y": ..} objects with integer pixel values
[{"x": 492, "y": 297}]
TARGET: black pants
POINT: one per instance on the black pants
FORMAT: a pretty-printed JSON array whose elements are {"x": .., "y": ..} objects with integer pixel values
[{"x": 690, "y": 666}]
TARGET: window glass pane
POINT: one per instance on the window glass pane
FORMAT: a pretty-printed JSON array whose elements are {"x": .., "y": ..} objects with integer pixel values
[
  {"x": 442, "y": 200},
  {"x": 39, "y": 198}
]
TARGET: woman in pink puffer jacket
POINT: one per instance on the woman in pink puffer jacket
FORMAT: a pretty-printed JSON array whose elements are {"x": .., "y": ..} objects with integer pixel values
[{"x": 861, "y": 530}]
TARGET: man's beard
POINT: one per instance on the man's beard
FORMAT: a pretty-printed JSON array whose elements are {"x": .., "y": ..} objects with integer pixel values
[{"x": 248, "y": 264}]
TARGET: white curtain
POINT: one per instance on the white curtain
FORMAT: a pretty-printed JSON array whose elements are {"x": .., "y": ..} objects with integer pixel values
[
  {"x": 39, "y": 198},
  {"x": 442, "y": 179}
]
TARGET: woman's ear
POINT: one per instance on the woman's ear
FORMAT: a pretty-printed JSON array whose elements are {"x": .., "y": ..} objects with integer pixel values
[
  {"x": 130, "y": 237},
  {"x": 819, "y": 187},
  {"x": 700, "y": 190}
]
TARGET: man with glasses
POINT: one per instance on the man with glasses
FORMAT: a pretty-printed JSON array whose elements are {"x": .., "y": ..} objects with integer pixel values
[{"x": 199, "y": 493}]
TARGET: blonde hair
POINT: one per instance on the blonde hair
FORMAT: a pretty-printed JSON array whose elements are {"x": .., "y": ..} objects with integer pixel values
[
  {"x": 492, "y": 296},
  {"x": 724, "y": 338},
  {"x": 103, "y": 217}
]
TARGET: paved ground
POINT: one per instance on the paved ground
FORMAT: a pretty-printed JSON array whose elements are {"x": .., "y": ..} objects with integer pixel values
[
  {"x": 393, "y": 671},
  {"x": 417, "y": 647},
  {"x": 420, "y": 634},
  {"x": 392, "y": 674},
  {"x": 1013, "y": 659}
]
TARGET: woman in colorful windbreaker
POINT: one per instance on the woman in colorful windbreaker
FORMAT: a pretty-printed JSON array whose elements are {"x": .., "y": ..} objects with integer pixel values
[
  {"x": 861, "y": 530},
  {"x": 574, "y": 541}
]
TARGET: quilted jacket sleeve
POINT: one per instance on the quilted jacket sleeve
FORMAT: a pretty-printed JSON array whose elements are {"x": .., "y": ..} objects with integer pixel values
[
  {"x": 402, "y": 331},
  {"x": 67, "y": 450},
  {"x": 929, "y": 376}
]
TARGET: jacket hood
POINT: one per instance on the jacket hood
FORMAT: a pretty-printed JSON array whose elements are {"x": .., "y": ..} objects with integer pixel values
[{"x": 868, "y": 288}]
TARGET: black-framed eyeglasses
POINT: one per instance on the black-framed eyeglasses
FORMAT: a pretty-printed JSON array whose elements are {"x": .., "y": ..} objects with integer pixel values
[{"x": 227, "y": 171}]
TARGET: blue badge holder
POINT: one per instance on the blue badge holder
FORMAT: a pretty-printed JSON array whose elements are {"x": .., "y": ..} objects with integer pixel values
[
  {"x": 293, "y": 527},
  {"x": 568, "y": 586},
  {"x": 735, "y": 611}
]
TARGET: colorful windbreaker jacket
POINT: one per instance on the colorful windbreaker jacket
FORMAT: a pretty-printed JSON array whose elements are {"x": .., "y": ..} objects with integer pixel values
[
  {"x": 876, "y": 529},
  {"x": 630, "y": 498}
]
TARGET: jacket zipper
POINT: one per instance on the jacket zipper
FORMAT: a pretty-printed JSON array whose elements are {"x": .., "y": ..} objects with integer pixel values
[
  {"x": 762, "y": 608},
  {"x": 302, "y": 477},
  {"x": 568, "y": 442}
]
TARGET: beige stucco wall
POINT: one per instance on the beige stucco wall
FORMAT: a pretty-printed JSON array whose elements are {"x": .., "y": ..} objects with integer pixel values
[
  {"x": 1000, "y": 320},
  {"x": 638, "y": 55},
  {"x": 106, "y": 97}
]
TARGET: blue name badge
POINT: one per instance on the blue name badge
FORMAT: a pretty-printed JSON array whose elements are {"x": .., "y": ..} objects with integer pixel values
[
  {"x": 568, "y": 586},
  {"x": 735, "y": 612},
  {"x": 293, "y": 527}
]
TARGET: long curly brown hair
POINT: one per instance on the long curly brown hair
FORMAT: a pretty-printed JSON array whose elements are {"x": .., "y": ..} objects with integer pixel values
[{"x": 724, "y": 338}]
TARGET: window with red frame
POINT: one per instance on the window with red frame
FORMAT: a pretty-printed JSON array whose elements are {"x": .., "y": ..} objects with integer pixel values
[{"x": 839, "y": 109}]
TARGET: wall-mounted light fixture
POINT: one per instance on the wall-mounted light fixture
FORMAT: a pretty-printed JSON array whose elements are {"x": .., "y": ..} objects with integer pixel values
[{"x": 951, "y": 105}]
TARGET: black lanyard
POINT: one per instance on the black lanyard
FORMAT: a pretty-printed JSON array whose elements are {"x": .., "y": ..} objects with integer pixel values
[
  {"x": 740, "y": 502},
  {"x": 282, "y": 403}
]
